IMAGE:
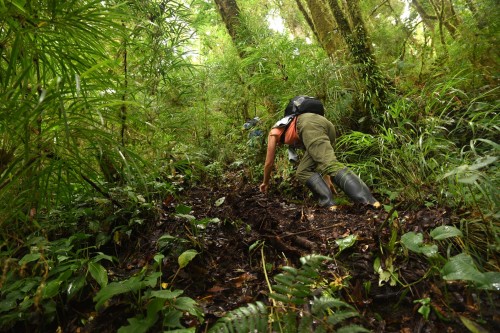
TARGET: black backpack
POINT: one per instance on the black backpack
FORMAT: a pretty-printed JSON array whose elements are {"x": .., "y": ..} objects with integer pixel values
[{"x": 304, "y": 104}]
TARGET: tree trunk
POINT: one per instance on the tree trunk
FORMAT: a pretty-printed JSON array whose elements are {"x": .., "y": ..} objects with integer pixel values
[
  {"x": 357, "y": 41},
  {"x": 426, "y": 18},
  {"x": 323, "y": 25},
  {"x": 230, "y": 14}
]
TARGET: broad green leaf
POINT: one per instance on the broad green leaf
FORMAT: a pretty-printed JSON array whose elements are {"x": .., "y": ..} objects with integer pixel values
[
  {"x": 182, "y": 209},
  {"x": 414, "y": 242},
  {"x": 166, "y": 294},
  {"x": 115, "y": 288},
  {"x": 444, "y": 232},
  {"x": 158, "y": 257},
  {"x": 7, "y": 304},
  {"x": 346, "y": 242},
  {"x": 172, "y": 318},
  {"x": 491, "y": 281},
  {"x": 430, "y": 250},
  {"x": 51, "y": 289},
  {"x": 138, "y": 325},
  {"x": 75, "y": 286},
  {"x": 99, "y": 273},
  {"x": 101, "y": 256},
  {"x": 151, "y": 280},
  {"x": 30, "y": 257},
  {"x": 187, "y": 304},
  {"x": 462, "y": 267},
  {"x": 186, "y": 257}
]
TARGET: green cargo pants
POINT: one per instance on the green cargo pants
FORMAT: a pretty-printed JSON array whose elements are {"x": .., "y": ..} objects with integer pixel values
[{"x": 318, "y": 135}]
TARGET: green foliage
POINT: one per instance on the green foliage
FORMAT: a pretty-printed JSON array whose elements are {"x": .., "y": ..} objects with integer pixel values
[
  {"x": 458, "y": 267},
  {"x": 51, "y": 273},
  {"x": 295, "y": 289},
  {"x": 166, "y": 303}
]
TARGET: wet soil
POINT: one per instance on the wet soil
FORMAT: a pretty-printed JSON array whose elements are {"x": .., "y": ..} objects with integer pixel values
[{"x": 255, "y": 230}]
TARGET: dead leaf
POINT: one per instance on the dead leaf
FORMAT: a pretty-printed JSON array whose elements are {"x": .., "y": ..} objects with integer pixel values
[
  {"x": 238, "y": 281},
  {"x": 216, "y": 289}
]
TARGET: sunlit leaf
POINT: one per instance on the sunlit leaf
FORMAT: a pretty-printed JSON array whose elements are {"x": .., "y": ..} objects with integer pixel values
[
  {"x": 444, "y": 232},
  {"x": 346, "y": 242},
  {"x": 186, "y": 257}
]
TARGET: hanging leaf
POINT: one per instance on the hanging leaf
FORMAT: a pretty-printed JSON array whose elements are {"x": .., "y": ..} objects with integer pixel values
[
  {"x": 444, "y": 232},
  {"x": 186, "y": 257}
]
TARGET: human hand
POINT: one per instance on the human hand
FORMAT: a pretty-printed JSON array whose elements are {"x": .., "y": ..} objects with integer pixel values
[{"x": 263, "y": 187}]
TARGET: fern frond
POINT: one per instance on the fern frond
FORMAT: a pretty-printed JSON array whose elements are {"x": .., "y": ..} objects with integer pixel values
[
  {"x": 251, "y": 318},
  {"x": 325, "y": 303},
  {"x": 293, "y": 286}
]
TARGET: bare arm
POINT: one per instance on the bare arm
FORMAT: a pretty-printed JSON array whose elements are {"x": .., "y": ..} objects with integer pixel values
[{"x": 272, "y": 143}]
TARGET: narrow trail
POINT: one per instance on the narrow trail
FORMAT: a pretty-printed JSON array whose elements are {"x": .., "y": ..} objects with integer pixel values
[{"x": 228, "y": 273}]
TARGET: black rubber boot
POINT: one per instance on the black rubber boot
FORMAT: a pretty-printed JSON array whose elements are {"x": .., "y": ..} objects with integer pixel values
[
  {"x": 320, "y": 189},
  {"x": 354, "y": 187}
]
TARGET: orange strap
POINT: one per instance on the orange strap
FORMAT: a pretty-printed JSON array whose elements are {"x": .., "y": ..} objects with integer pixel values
[{"x": 291, "y": 135}]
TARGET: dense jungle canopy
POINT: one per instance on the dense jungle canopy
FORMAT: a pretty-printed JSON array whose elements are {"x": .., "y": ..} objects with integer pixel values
[{"x": 132, "y": 142}]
